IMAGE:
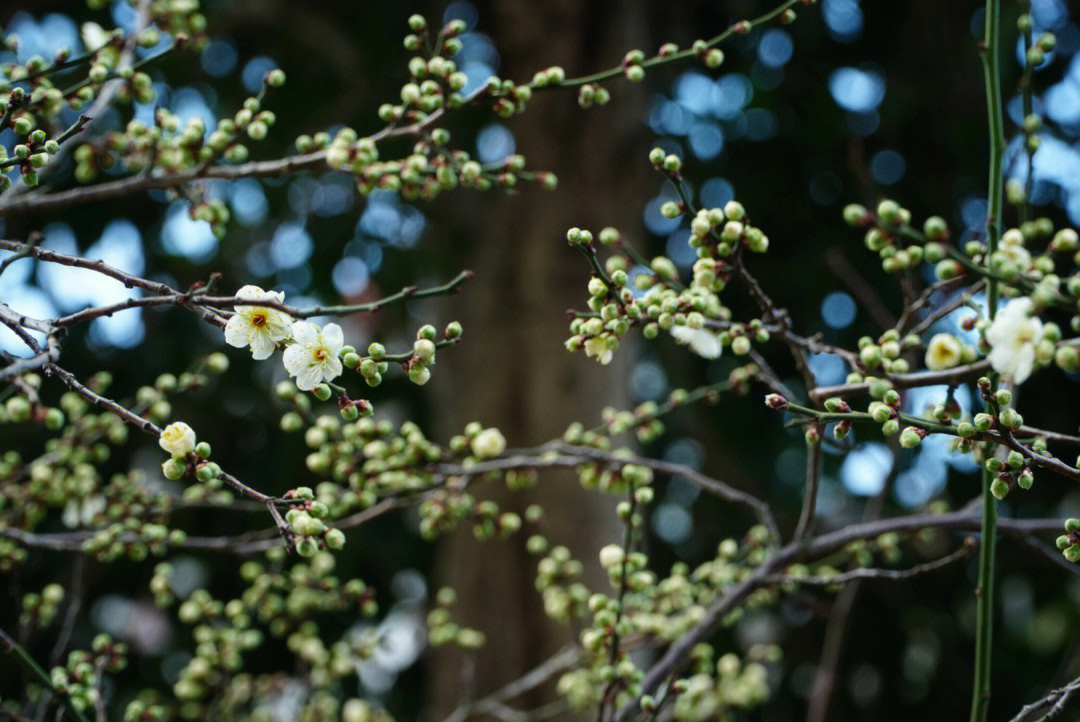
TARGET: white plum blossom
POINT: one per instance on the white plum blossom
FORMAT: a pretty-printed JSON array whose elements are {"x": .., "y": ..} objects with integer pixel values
[
  {"x": 943, "y": 352},
  {"x": 1012, "y": 338},
  {"x": 597, "y": 347},
  {"x": 312, "y": 357},
  {"x": 259, "y": 327},
  {"x": 701, "y": 341},
  {"x": 488, "y": 444},
  {"x": 177, "y": 438}
]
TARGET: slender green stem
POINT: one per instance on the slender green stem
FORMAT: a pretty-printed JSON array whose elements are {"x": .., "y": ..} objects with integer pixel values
[
  {"x": 1025, "y": 89},
  {"x": 980, "y": 696},
  {"x": 742, "y": 27},
  {"x": 10, "y": 646}
]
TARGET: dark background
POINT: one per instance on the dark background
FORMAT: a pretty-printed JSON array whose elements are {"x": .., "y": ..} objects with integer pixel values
[{"x": 799, "y": 145}]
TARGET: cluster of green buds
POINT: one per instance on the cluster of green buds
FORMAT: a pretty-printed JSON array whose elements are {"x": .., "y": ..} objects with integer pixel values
[
  {"x": 1069, "y": 542},
  {"x": 617, "y": 479},
  {"x": 78, "y": 681},
  {"x": 693, "y": 314},
  {"x": 557, "y": 579},
  {"x": 735, "y": 686},
  {"x": 287, "y": 602},
  {"x": 39, "y": 608},
  {"x": 665, "y": 609},
  {"x": 433, "y": 166},
  {"x": 901, "y": 247},
  {"x": 714, "y": 232},
  {"x": 132, "y": 538},
  {"x": 306, "y": 523},
  {"x": 34, "y": 147},
  {"x": 443, "y": 630},
  {"x": 64, "y": 477},
  {"x": 885, "y": 354}
]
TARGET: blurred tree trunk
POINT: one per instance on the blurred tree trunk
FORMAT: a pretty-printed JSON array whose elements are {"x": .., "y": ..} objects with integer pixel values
[{"x": 526, "y": 277}]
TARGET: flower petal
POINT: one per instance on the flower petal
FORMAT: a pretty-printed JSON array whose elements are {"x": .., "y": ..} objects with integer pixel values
[
  {"x": 305, "y": 333},
  {"x": 333, "y": 338},
  {"x": 262, "y": 346},
  {"x": 309, "y": 377},
  {"x": 238, "y": 331}
]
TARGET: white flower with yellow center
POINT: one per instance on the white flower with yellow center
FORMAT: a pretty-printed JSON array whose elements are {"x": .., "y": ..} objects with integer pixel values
[
  {"x": 1012, "y": 338},
  {"x": 597, "y": 347},
  {"x": 259, "y": 327},
  {"x": 701, "y": 341},
  {"x": 177, "y": 438},
  {"x": 312, "y": 357},
  {"x": 943, "y": 352}
]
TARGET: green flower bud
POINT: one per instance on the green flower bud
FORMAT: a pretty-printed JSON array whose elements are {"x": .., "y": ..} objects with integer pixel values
[
  {"x": 856, "y": 215},
  {"x": 911, "y": 437},
  {"x": 54, "y": 419},
  {"x": 999, "y": 489},
  {"x": 174, "y": 469},
  {"x": 335, "y": 539},
  {"x": 1010, "y": 419}
]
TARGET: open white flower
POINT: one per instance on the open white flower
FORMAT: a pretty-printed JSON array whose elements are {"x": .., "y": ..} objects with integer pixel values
[
  {"x": 701, "y": 341},
  {"x": 177, "y": 438},
  {"x": 943, "y": 352},
  {"x": 488, "y": 443},
  {"x": 1012, "y": 338},
  {"x": 597, "y": 347},
  {"x": 259, "y": 327},
  {"x": 313, "y": 356}
]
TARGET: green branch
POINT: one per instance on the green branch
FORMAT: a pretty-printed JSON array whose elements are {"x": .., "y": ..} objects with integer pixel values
[{"x": 980, "y": 695}]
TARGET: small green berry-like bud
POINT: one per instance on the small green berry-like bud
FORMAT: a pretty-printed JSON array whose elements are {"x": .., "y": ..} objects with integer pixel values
[
  {"x": 217, "y": 363},
  {"x": 202, "y": 450},
  {"x": 857, "y": 216},
  {"x": 173, "y": 469},
  {"x": 1010, "y": 419},
  {"x": 776, "y": 401},
  {"x": 911, "y": 437},
  {"x": 54, "y": 419},
  {"x": 999, "y": 489},
  {"x": 275, "y": 78},
  {"x": 322, "y": 392},
  {"x": 1072, "y": 525},
  {"x": 1073, "y": 553},
  {"x": 335, "y": 539},
  {"x": 419, "y": 374}
]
